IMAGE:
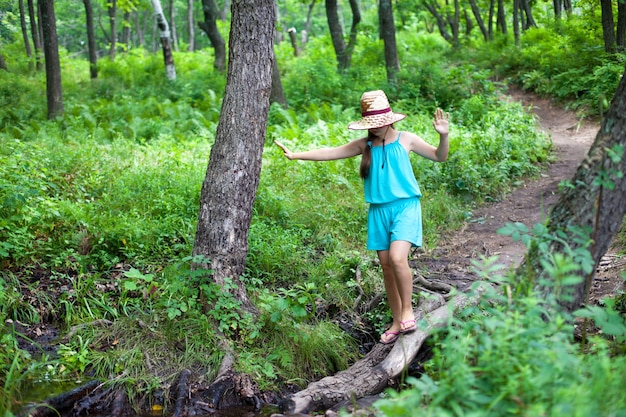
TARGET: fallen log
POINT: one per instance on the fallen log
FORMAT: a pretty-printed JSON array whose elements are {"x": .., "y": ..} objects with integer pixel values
[{"x": 372, "y": 374}]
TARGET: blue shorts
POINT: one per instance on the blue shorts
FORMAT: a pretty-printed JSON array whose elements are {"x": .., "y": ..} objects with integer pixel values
[{"x": 398, "y": 220}]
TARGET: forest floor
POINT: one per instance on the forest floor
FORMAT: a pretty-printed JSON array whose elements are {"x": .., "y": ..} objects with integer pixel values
[{"x": 450, "y": 262}]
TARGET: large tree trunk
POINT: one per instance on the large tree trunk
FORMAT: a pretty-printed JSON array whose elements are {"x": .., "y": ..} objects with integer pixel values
[
  {"x": 309, "y": 16},
  {"x": 278, "y": 93},
  {"x": 479, "y": 19},
  {"x": 442, "y": 25},
  {"x": 608, "y": 27},
  {"x": 501, "y": 17},
  {"x": 34, "y": 31},
  {"x": 91, "y": 40},
  {"x": 232, "y": 176},
  {"x": 191, "y": 25},
  {"x": 209, "y": 26},
  {"x": 516, "y": 12},
  {"x": 53, "y": 64},
  {"x": 453, "y": 21},
  {"x": 595, "y": 202},
  {"x": 388, "y": 34},
  {"x": 356, "y": 19},
  {"x": 29, "y": 52},
  {"x": 112, "y": 11},
  {"x": 126, "y": 33},
  {"x": 336, "y": 34},
  {"x": 528, "y": 12},
  {"x": 620, "y": 32},
  {"x": 164, "y": 36},
  {"x": 174, "y": 36}
]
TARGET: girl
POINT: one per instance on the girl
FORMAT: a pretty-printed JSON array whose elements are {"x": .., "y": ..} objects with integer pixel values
[{"x": 395, "y": 217}]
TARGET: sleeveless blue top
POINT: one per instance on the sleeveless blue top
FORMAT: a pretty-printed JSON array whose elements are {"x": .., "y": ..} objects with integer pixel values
[{"x": 391, "y": 175}]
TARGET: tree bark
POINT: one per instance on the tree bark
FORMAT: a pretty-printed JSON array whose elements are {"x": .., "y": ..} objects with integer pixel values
[
  {"x": 453, "y": 21},
  {"x": 91, "y": 40},
  {"x": 293, "y": 38},
  {"x": 173, "y": 37},
  {"x": 223, "y": 15},
  {"x": 479, "y": 19},
  {"x": 558, "y": 8},
  {"x": 501, "y": 17},
  {"x": 54, "y": 92},
  {"x": 233, "y": 172},
  {"x": 164, "y": 36},
  {"x": 516, "y": 12},
  {"x": 209, "y": 26},
  {"x": 608, "y": 27},
  {"x": 3, "y": 64},
  {"x": 309, "y": 16},
  {"x": 595, "y": 202},
  {"x": 356, "y": 19},
  {"x": 528, "y": 12},
  {"x": 191, "y": 25},
  {"x": 29, "y": 52},
  {"x": 492, "y": 5},
  {"x": 620, "y": 33},
  {"x": 126, "y": 35},
  {"x": 388, "y": 34},
  {"x": 372, "y": 374},
  {"x": 34, "y": 31},
  {"x": 112, "y": 11},
  {"x": 433, "y": 8},
  {"x": 336, "y": 34},
  {"x": 278, "y": 93}
]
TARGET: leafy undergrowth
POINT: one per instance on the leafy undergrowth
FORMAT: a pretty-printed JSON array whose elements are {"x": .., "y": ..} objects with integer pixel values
[{"x": 99, "y": 210}]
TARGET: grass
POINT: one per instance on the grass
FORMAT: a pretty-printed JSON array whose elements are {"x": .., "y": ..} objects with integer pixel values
[{"x": 99, "y": 208}]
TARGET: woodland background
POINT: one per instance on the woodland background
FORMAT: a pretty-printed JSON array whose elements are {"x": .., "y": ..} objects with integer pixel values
[{"x": 101, "y": 174}]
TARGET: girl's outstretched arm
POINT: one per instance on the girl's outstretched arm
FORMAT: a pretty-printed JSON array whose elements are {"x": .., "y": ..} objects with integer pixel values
[
  {"x": 421, "y": 147},
  {"x": 348, "y": 150}
]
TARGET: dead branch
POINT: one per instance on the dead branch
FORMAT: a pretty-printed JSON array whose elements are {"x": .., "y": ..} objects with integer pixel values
[
  {"x": 182, "y": 392},
  {"x": 370, "y": 375},
  {"x": 439, "y": 287}
]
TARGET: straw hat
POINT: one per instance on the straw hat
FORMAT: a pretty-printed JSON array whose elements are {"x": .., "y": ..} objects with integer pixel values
[{"x": 375, "y": 112}]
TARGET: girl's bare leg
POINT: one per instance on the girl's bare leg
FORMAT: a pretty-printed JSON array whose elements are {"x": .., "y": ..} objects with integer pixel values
[{"x": 398, "y": 284}]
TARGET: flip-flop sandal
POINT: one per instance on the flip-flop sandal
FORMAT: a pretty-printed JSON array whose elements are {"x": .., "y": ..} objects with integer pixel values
[
  {"x": 394, "y": 337},
  {"x": 408, "y": 326}
]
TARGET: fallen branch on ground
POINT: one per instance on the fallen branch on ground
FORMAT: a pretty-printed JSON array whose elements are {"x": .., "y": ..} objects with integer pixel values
[{"x": 371, "y": 375}]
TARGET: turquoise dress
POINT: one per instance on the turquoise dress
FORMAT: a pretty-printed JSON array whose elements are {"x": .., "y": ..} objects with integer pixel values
[{"x": 391, "y": 175}]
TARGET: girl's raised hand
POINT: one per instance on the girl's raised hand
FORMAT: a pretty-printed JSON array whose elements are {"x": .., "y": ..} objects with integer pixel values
[
  {"x": 441, "y": 122},
  {"x": 287, "y": 152}
]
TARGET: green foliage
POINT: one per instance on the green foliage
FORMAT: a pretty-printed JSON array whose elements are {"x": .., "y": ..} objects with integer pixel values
[
  {"x": 564, "y": 61},
  {"x": 515, "y": 355},
  {"x": 105, "y": 200},
  {"x": 16, "y": 365}
]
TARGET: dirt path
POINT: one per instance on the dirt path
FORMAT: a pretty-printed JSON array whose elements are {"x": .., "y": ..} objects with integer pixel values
[{"x": 529, "y": 205}]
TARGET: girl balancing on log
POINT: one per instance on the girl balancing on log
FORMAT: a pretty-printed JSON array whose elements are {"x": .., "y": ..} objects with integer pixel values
[{"x": 395, "y": 216}]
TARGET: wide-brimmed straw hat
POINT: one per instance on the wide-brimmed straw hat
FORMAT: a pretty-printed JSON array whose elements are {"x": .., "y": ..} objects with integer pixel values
[{"x": 375, "y": 112}]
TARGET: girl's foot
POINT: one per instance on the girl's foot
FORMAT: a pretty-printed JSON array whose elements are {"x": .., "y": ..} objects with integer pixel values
[
  {"x": 408, "y": 326},
  {"x": 389, "y": 337}
]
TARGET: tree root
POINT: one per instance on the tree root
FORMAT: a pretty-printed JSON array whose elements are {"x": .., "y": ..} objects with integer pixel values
[
  {"x": 62, "y": 403},
  {"x": 432, "y": 286},
  {"x": 371, "y": 375}
]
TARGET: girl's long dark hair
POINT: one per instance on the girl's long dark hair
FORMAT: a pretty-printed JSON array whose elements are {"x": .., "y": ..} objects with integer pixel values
[{"x": 366, "y": 158}]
